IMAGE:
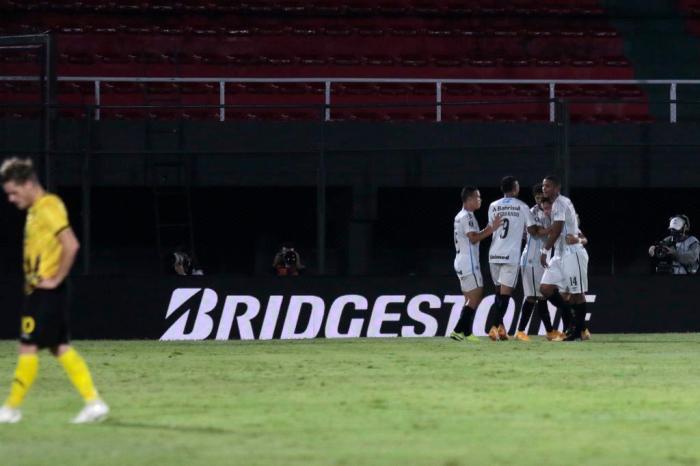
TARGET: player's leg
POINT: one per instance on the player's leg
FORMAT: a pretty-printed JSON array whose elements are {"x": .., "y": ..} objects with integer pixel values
[
  {"x": 529, "y": 292},
  {"x": 25, "y": 374},
  {"x": 535, "y": 274},
  {"x": 585, "y": 332},
  {"x": 525, "y": 315},
  {"x": 552, "y": 280},
  {"x": 501, "y": 309},
  {"x": 77, "y": 370},
  {"x": 508, "y": 278},
  {"x": 33, "y": 333},
  {"x": 576, "y": 268},
  {"x": 473, "y": 299},
  {"x": 495, "y": 313},
  {"x": 472, "y": 289},
  {"x": 543, "y": 313},
  {"x": 73, "y": 364}
]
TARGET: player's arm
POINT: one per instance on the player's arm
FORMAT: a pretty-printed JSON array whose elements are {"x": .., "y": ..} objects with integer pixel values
[
  {"x": 536, "y": 230},
  {"x": 476, "y": 236},
  {"x": 576, "y": 239},
  {"x": 554, "y": 232},
  {"x": 531, "y": 224},
  {"x": 69, "y": 249}
]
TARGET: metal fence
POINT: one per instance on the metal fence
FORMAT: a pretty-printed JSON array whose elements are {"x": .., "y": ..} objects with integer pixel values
[{"x": 670, "y": 84}]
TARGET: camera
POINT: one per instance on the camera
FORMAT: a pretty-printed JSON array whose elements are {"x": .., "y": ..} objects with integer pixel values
[
  {"x": 662, "y": 260},
  {"x": 289, "y": 258}
]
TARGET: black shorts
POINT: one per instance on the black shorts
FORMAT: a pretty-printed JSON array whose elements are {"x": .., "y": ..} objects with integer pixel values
[{"x": 44, "y": 320}]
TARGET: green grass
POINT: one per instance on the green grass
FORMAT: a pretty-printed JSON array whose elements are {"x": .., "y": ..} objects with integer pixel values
[{"x": 618, "y": 399}]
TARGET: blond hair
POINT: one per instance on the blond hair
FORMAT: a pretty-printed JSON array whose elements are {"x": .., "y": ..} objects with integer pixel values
[{"x": 18, "y": 170}]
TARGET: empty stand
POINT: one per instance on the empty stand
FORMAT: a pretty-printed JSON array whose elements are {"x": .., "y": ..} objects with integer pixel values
[{"x": 443, "y": 39}]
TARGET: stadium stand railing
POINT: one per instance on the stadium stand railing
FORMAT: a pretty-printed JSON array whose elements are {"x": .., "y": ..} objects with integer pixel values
[{"x": 348, "y": 98}]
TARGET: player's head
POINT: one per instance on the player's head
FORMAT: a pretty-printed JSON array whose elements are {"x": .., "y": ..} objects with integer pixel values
[
  {"x": 546, "y": 204},
  {"x": 19, "y": 181},
  {"x": 510, "y": 186},
  {"x": 471, "y": 198},
  {"x": 679, "y": 225},
  {"x": 551, "y": 186},
  {"x": 537, "y": 193}
]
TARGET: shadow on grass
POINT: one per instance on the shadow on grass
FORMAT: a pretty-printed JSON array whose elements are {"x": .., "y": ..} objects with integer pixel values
[
  {"x": 168, "y": 427},
  {"x": 626, "y": 342}
]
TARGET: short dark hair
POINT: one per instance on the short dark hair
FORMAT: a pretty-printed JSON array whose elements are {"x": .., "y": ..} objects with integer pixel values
[
  {"x": 537, "y": 189},
  {"x": 18, "y": 170},
  {"x": 553, "y": 179},
  {"x": 467, "y": 192},
  {"x": 508, "y": 184}
]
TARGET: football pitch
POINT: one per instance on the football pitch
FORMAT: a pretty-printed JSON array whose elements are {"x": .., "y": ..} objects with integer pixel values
[{"x": 618, "y": 399}]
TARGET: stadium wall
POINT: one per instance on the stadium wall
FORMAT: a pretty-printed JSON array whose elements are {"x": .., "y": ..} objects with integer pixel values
[
  {"x": 390, "y": 154},
  {"x": 230, "y": 308}
]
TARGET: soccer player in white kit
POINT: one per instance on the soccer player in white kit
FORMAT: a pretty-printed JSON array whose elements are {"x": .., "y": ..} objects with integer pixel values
[
  {"x": 567, "y": 270},
  {"x": 532, "y": 271},
  {"x": 506, "y": 248},
  {"x": 467, "y": 237}
]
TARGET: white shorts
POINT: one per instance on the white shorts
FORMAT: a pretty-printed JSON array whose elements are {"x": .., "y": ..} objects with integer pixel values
[
  {"x": 504, "y": 274},
  {"x": 469, "y": 274},
  {"x": 470, "y": 282},
  {"x": 569, "y": 272},
  {"x": 532, "y": 277}
]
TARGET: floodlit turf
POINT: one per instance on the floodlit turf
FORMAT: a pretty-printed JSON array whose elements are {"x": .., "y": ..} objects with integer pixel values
[{"x": 619, "y": 399}]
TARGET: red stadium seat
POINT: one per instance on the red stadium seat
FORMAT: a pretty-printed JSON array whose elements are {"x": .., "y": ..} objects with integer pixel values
[{"x": 525, "y": 39}]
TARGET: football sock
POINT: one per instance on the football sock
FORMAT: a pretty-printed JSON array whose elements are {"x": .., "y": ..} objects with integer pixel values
[
  {"x": 78, "y": 373},
  {"x": 25, "y": 374},
  {"x": 466, "y": 320},
  {"x": 543, "y": 312},
  {"x": 496, "y": 314},
  {"x": 525, "y": 314},
  {"x": 563, "y": 307},
  {"x": 580, "y": 316},
  {"x": 459, "y": 328},
  {"x": 505, "y": 299},
  {"x": 469, "y": 320}
]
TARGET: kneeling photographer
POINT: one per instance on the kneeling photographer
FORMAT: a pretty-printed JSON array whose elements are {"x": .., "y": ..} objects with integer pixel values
[
  {"x": 678, "y": 253},
  {"x": 287, "y": 262}
]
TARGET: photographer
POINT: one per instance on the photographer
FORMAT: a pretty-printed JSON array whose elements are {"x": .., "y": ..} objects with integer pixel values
[
  {"x": 287, "y": 262},
  {"x": 678, "y": 253},
  {"x": 183, "y": 264}
]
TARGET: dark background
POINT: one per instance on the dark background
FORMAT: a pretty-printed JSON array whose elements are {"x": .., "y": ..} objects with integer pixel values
[
  {"x": 392, "y": 190},
  {"x": 412, "y": 234}
]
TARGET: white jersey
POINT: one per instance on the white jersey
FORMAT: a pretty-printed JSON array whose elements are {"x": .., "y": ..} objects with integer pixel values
[
  {"x": 507, "y": 240},
  {"x": 563, "y": 211},
  {"x": 467, "y": 253},
  {"x": 531, "y": 253}
]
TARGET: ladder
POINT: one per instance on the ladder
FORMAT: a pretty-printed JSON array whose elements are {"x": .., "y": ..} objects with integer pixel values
[{"x": 170, "y": 173}]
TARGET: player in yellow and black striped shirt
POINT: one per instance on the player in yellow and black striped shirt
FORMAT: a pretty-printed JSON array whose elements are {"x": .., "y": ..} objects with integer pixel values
[{"x": 50, "y": 247}]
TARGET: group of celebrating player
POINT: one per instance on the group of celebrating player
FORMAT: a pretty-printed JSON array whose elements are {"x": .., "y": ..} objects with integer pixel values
[{"x": 554, "y": 262}]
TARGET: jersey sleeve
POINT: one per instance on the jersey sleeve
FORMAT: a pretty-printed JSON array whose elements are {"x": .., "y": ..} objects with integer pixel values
[
  {"x": 558, "y": 212},
  {"x": 529, "y": 217},
  {"x": 54, "y": 215},
  {"x": 469, "y": 224}
]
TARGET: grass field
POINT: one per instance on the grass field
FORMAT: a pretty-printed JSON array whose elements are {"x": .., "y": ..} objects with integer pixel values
[{"x": 619, "y": 399}]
